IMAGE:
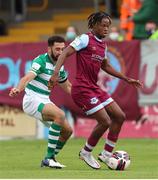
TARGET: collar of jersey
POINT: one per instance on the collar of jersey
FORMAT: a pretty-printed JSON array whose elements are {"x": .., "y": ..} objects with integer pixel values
[{"x": 97, "y": 38}]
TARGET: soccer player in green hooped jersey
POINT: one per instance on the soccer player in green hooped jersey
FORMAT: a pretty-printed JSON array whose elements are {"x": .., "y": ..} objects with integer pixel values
[{"x": 36, "y": 100}]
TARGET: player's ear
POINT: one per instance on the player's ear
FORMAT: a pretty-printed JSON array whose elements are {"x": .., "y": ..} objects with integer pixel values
[{"x": 49, "y": 49}]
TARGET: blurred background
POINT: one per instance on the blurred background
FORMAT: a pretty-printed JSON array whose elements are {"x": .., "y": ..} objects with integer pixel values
[
  {"x": 39, "y": 18},
  {"x": 25, "y": 26}
]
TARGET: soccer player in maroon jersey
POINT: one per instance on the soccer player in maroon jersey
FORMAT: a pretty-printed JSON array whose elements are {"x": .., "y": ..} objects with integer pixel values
[{"x": 91, "y": 50}]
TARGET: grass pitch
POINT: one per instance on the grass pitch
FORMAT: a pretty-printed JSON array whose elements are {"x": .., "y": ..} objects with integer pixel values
[{"x": 21, "y": 159}]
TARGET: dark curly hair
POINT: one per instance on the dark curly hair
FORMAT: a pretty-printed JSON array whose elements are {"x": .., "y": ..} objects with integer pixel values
[
  {"x": 94, "y": 18},
  {"x": 53, "y": 39}
]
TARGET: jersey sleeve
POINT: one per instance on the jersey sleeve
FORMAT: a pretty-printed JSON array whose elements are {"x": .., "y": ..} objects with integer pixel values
[
  {"x": 80, "y": 42},
  {"x": 37, "y": 65},
  {"x": 62, "y": 75}
]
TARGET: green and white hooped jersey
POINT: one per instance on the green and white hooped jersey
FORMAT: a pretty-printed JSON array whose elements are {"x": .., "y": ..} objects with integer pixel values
[{"x": 43, "y": 68}]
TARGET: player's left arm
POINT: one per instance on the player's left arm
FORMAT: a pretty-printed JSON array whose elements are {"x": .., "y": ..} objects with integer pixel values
[
  {"x": 106, "y": 66},
  {"x": 66, "y": 86}
]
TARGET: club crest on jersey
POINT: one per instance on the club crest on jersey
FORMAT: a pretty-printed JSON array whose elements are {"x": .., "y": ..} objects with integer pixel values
[{"x": 94, "y": 100}]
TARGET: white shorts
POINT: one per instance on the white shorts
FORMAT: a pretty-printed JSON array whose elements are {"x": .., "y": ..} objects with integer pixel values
[{"x": 33, "y": 104}]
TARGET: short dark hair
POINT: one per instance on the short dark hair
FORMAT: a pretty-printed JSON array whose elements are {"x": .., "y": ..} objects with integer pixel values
[
  {"x": 53, "y": 39},
  {"x": 94, "y": 18}
]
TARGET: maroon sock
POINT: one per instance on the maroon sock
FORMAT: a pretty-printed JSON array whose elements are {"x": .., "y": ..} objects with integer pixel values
[
  {"x": 91, "y": 143},
  {"x": 110, "y": 142}
]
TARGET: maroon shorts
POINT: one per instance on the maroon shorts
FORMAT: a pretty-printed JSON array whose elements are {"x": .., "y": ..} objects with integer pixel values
[{"x": 90, "y": 100}]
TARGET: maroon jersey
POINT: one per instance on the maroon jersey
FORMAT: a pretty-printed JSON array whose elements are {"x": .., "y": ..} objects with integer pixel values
[{"x": 89, "y": 62}]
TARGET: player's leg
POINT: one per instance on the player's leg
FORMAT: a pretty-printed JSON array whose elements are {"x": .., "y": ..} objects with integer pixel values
[
  {"x": 118, "y": 117},
  {"x": 103, "y": 122},
  {"x": 51, "y": 112},
  {"x": 66, "y": 132},
  {"x": 44, "y": 110}
]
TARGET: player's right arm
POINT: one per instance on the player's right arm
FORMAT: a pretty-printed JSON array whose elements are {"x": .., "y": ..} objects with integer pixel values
[
  {"x": 54, "y": 78},
  {"x": 66, "y": 53},
  {"x": 79, "y": 43},
  {"x": 22, "y": 84}
]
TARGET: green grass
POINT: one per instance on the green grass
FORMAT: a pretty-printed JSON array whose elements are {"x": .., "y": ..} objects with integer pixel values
[{"x": 21, "y": 159}]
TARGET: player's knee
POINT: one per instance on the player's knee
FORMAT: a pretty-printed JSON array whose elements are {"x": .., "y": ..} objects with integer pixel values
[{"x": 106, "y": 123}]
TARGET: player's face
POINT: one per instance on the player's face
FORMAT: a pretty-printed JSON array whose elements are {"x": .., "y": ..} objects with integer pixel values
[
  {"x": 56, "y": 50},
  {"x": 101, "y": 29}
]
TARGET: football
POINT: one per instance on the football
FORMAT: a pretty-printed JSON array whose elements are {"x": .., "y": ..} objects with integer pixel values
[{"x": 120, "y": 160}]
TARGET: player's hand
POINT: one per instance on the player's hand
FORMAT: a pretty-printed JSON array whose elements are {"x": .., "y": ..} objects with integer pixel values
[
  {"x": 14, "y": 92},
  {"x": 134, "y": 82},
  {"x": 52, "y": 82}
]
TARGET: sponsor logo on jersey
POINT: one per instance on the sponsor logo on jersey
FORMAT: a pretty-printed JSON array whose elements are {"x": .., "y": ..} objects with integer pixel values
[{"x": 97, "y": 57}]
